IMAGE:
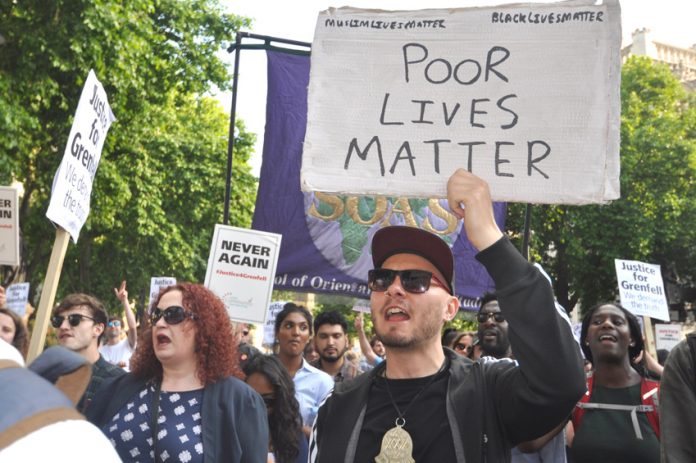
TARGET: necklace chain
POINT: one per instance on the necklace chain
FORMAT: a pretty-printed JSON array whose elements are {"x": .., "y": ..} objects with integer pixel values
[{"x": 401, "y": 420}]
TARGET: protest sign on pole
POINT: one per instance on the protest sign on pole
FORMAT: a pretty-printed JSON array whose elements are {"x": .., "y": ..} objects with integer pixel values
[
  {"x": 642, "y": 293},
  {"x": 525, "y": 96},
  {"x": 157, "y": 283},
  {"x": 9, "y": 226},
  {"x": 72, "y": 184},
  {"x": 269, "y": 326},
  {"x": 71, "y": 191},
  {"x": 17, "y": 296},
  {"x": 641, "y": 289},
  {"x": 667, "y": 335},
  {"x": 241, "y": 269}
]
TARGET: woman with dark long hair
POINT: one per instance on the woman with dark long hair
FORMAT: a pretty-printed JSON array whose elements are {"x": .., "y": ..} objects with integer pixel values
[
  {"x": 293, "y": 330},
  {"x": 13, "y": 331},
  {"x": 183, "y": 399},
  {"x": 267, "y": 376},
  {"x": 617, "y": 419}
]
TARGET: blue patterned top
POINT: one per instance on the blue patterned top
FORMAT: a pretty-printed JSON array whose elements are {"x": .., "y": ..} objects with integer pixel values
[{"x": 179, "y": 427}]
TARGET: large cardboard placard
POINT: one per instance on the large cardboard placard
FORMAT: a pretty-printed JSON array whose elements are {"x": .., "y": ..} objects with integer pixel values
[
  {"x": 72, "y": 184},
  {"x": 9, "y": 226},
  {"x": 525, "y": 96},
  {"x": 241, "y": 268},
  {"x": 641, "y": 288}
]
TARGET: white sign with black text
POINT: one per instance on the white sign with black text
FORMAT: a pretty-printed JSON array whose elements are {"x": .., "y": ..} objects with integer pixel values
[
  {"x": 72, "y": 184},
  {"x": 9, "y": 226},
  {"x": 241, "y": 269},
  {"x": 526, "y": 96},
  {"x": 156, "y": 284},
  {"x": 17, "y": 296},
  {"x": 641, "y": 289}
]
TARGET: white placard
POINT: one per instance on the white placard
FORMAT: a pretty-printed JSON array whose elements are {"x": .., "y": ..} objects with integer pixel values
[
  {"x": 241, "y": 269},
  {"x": 641, "y": 289},
  {"x": 72, "y": 184},
  {"x": 156, "y": 284},
  {"x": 667, "y": 335},
  {"x": 362, "y": 307},
  {"x": 525, "y": 96},
  {"x": 269, "y": 327},
  {"x": 9, "y": 226},
  {"x": 17, "y": 296}
]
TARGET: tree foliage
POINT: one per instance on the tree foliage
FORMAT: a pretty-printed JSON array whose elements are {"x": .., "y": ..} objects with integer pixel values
[
  {"x": 159, "y": 188},
  {"x": 655, "y": 219}
]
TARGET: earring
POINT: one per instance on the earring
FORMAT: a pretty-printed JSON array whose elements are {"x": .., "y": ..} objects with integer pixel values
[{"x": 587, "y": 343}]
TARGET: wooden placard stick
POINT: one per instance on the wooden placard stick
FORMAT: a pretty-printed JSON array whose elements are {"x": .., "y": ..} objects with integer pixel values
[{"x": 48, "y": 294}]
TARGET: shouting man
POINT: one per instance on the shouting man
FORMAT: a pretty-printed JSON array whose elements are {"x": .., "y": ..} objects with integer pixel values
[{"x": 424, "y": 403}]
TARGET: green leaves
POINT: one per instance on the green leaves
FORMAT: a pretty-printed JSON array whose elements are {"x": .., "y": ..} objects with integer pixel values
[
  {"x": 159, "y": 188},
  {"x": 655, "y": 218}
]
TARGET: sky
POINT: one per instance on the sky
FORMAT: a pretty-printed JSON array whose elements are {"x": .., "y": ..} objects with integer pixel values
[{"x": 670, "y": 21}]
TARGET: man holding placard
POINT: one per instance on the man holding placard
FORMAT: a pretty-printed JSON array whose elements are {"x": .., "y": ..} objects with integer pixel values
[{"x": 424, "y": 403}]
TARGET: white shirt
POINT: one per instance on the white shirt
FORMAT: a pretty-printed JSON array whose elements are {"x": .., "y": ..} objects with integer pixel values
[
  {"x": 311, "y": 388},
  {"x": 119, "y": 352}
]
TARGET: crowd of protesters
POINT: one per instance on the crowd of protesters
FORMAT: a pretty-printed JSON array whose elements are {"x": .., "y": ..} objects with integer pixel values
[{"x": 187, "y": 385}]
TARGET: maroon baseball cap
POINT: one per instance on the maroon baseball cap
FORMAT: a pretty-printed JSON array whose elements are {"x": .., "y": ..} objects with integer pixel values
[{"x": 398, "y": 239}]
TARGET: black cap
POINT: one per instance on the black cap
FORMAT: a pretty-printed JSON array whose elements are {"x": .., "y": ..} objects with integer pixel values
[{"x": 389, "y": 241}]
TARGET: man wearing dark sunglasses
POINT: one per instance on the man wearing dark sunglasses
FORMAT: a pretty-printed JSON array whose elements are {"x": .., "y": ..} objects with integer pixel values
[
  {"x": 493, "y": 329},
  {"x": 426, "y": 403},
  {"x": 79, "y": 322}
]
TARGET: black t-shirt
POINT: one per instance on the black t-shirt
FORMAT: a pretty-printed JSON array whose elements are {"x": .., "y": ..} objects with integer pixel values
[{"x": 426, "y": 418}]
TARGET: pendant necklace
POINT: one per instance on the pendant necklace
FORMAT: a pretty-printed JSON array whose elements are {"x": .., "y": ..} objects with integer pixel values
[{"x": 397, "y": 445}]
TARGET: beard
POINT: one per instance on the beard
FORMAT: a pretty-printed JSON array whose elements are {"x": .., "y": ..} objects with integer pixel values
[
  {"x": 332, "y": 358},
  {"x": 498, "y": 347},
  {"x": 429, "y": 329}
]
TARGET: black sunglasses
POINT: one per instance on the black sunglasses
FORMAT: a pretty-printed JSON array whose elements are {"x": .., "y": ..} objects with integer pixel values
[
  {"x": 74, "y": 319},
  {"x": 413, "y": 281},
  {"x": 483, "y": 317},
  {"x": 172, "y": 315}
]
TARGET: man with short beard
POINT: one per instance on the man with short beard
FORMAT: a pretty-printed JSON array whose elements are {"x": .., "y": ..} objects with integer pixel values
[
  {"x": 428, "y": 404},
  {"x": 492, "y": 329},
  {"x": 331, "y": 343}
]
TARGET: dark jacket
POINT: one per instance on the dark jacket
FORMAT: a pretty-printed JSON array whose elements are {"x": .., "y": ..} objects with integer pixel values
[
  {"x": 235, "y": 425},
  {"x": 491, "y": 406},
  {"x": 678, "y": 405}
]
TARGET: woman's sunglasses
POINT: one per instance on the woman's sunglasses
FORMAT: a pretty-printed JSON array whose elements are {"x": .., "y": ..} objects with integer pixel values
[
  {"x": 413, "y": 281},
  {"x": 74, "y": 319},
  {"x": 172, "y": 315}
]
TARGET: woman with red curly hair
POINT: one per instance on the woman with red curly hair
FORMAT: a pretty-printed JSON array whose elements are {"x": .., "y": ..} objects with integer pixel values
[{"x": 185, "y": 369}]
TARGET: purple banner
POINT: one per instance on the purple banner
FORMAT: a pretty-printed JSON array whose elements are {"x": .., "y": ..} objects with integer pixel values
[{"x": 326, "y": 238}]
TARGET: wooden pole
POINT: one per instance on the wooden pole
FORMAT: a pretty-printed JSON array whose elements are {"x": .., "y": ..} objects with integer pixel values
[
  {"x": 48, "y": 294},
  {"x": 649, "y": 337}
]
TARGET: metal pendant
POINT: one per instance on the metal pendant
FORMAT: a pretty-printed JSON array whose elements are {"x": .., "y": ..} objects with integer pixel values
[{"x": 397, "y": 446}]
